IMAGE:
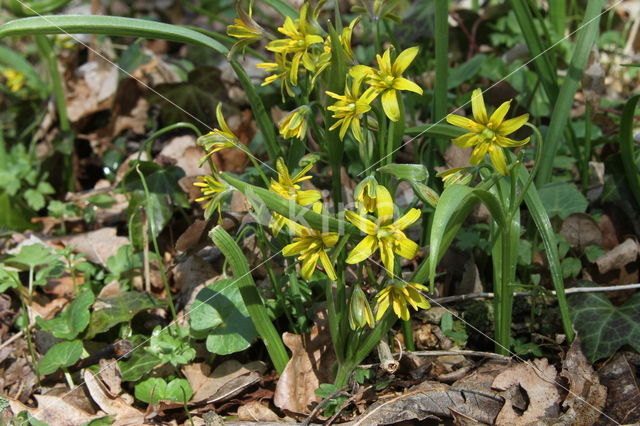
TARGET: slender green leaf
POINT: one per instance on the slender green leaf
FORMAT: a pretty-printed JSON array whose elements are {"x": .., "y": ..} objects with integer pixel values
[
  {"x": 541, "y": 219},
  {"x": 456, "y": 202},
  {"x": 251, "y": 297},
  {"x": 627, "y": 147},
  {"x": 442, "y": 130},
  {"x": 109, "y": 25},
  {"x": 12, "y": 59}
]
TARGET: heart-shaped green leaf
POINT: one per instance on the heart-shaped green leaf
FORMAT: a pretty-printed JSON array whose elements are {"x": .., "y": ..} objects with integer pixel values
[
  {"x": 561, "y": 199},
  {"x": 73, "y": 320},
  {"x": 220, "y": 310},
  {"x": 63, "y": 354},
  {"x": 121, "y": 308}
]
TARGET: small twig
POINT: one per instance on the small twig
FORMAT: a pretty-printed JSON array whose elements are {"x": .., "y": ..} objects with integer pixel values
[
  {"x": 572, "y": 290},
  {"x": 446, "y": 353},
  {"x": 13, "y": 338}
]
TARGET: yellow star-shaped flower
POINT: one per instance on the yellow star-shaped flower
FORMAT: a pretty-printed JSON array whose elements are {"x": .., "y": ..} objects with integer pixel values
[
  {"x": 398, "y": 295},
  {"x": 488, "y": 134},
  {"x": 383, "y": 235},
  {"x": 387, "y": 80}
]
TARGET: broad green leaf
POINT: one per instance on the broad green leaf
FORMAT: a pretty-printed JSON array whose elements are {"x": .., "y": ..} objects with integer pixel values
[
  {"x": 171, "y": 344},
  {"x": 13, "y": 214},
  {"x": 160, "y": 180},
  {"x": 102, "y": 421},
  {"x": 562, "y": 199},
  {"x": 220, "y": 310},
  {"x": 114, "y": 310},
  {"x": 158, "y": 212},
  {"x": 151, "y": 390},
  {"x": 63, "y": 354},
  {"x": 8, "y": 278},
  {"x": 409, "y": 172},
  {"x": 73, "y": 320},
  {"x": 466, "y": 71},
  {"x": 109, "y": 25},
  {"x": 178, "y": 390},
  {"x": 602, "y": 327},
  {"x": 32, "y": 255}
]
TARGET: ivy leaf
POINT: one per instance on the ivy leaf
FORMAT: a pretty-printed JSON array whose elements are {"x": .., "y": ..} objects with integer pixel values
[
  {"x": 220, "y": 310},
  {"x": 604, "y": 328},
  {"x": 117, "y": 309},
  {"x": 63, "y": 354},
  {"x": 73, "y": 320},
  {"x": 562, "y": 199}
]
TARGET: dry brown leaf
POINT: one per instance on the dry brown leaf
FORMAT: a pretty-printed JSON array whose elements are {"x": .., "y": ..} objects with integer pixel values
[
  {"x": 257, "y": 412},
  {"x": 310, "y": 365},
  {"x": 617, "y": 258},
  {"x": 135, "y": 121},
  {"x": 98, "y": 245},
  {"x": 586, "y": 397},
  {"x": 92, "y": 90},
  {"x": 111, "y": 376},
  {"x": 581, "y": 230},
  {"x": 124, "y": 413},
  {"x": 222, "y": 381},
  {"x": 432, "y": 400},
  {"x": 538, "y": 381},
  {"x": 53, "y": 410},
  {"x": 619, "y": 375},
  {"x": 184, "y": 151}
]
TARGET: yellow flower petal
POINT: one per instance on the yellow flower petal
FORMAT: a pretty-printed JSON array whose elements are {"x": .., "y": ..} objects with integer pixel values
[
  {"x": 510, "y": 143},
  {"x": 406, "y": 248},
  {"x": 294, "y": 248},
  {"x": 498, "y": 159},
  {"x": 478, "y": 108},
  {"x": 407, "y": 219},
  {"x": 386, "y": 254},
  {"x": 360, "y": 71},
  {"x": 498, "y": 115},
  {"x": 404, "y": 59},
  {"x": 513, "y": 124},
  {"x": 330, "y": 239},
  {"x": 401, "y": 83},
  {"x": 304, "y": 198},
  {"x": 365, "y": 225},
  {"x": 390, "y": 105},
  {"x": 465, "y": 123},
  {"x": 383, "y": 305},
  {"x": 327, "y": 265},
  {"x": 384, "y": 205},
  {"x": 363, "y": 250},
  {"x": 479, "y": 152},
  {"x": 465, "y": 141},
  {"x": 309, "y": 265}
]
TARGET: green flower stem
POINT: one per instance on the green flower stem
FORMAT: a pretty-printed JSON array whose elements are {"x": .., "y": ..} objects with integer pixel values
[
  {"x": 407, "y": 332},
  {"x": 251, "y": 297},
  {"x": 66, "y": 147},
  {"x": 151, "y": 221}
]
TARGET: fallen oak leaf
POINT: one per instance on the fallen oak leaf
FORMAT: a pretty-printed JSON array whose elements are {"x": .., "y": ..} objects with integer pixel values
[
  {"x": 53, "y": 410},
  {"x": 228, "y": 376}
]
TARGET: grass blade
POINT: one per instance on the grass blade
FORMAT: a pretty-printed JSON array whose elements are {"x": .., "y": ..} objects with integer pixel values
[{"x": 109, "y": 25}]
